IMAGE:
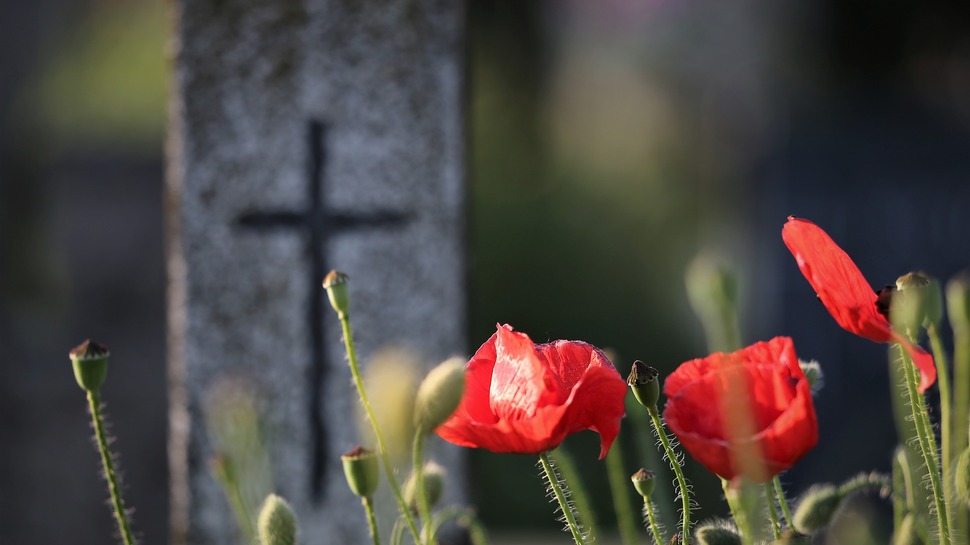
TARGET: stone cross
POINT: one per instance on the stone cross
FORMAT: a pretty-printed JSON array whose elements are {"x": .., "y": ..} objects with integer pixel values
[{"x": 307, "y": 135}]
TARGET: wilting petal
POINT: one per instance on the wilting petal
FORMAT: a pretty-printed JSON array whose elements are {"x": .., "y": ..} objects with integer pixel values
[{"x": 845, "y": 292}]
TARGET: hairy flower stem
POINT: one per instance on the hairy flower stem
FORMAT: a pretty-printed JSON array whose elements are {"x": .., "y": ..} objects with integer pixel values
[
  {"x": 117, "y": 503},
  {"x": 619, "y": 489},
  {"x": 927, "y": 444},
  {"x": 652, "y": 521},
  {"x": 772, "y": 511},
  {"x": 961, "y": 404},
  {"x": 658, "y": 428},
  {"x": 225, "y": 472},
  {"x": 946, "y": 425},
  {"x": 780, "y": 494},
  {"x": 371, "y": 519},
  {"x": 557, "y": 489},
  {"x": 570, "y": 474},
  {"x": 417, "y": 467},
  {"x": 738, "y": 512},
  {"x": 385, "y": 459}
]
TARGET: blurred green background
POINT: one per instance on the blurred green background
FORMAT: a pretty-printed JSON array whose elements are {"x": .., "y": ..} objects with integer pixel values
[{"x": 610, "y": 143}]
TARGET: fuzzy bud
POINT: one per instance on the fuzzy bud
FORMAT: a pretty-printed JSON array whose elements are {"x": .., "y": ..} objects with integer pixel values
[
  {"x": 434, "y": 486},
  {"x": 439, "y": 395},
  {"x": 917, "y": 302},
  {"x": 362, "y": 471},
  {"x": 645, "y": 383},
  {"x": 644, "y": 482},
  {"x": 277, "y": 523},
  {"x": 717, "y": 532},
  {"x": 336, "y": 285},
  {"x": 90, "y": 362},
  {"x": 816, "y": 508}
]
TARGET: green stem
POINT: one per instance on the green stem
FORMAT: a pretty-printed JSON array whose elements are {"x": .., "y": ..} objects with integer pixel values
[
  {"x": 652, "y": 521},
  {"x": 946, "y": 431},
  {"x": 927, "y": 444},
  {"x": 567, "y": 511},
  {"x": 571, "y": 475},
  {"x": 97, "y": 420},
  {"x": 371, "y": 520},
  {"x": 678, "y": 471},
  {"x": 397, "y": 532},
  {"x": 417, "y": 467},
  {"x": 961, "y": 404},
  {"x": 385, "y": 459},
  {"x": 225, "y": 473},
  {"x": 780, "y": 493},
  {"x": 620, "y": 490},
  {"x": 652, "y": 457},
  {"x": 738, "y": 513},
  {"x": 772, "y": 510}
]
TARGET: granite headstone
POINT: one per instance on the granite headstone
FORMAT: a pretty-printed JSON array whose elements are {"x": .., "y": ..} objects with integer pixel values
[{"x": 307, "y": 135}]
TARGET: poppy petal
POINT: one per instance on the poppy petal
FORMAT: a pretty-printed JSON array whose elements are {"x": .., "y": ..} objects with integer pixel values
[
  {"x": 765, "y": 376},
  {"x": 526, "y": 398},
  {"x": 845, "y": 292}
]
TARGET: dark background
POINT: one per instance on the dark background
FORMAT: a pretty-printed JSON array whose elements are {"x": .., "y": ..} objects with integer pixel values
[{"x": 610, "y": 143}]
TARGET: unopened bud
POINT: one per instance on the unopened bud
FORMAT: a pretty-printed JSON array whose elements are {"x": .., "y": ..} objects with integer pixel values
[
  {"x": 277, "y": 523},
  {"x": 917, "y": 301},
  {"x": 958, "y": 302},
  {"x": 439, "y": 395},
  {"x": 816, "y": 508},
  {"x": 717, "y": 532},
  {"x": 90, "y": 362},
  {"x": 813, "y": 373},
  {"x": 644, "y": 482},
  {"x": 645, "y": 383},
  {"x": 361, "y": 470},
  {"x": 336, "y": 285},
  {"x": 434, "y": 486}
]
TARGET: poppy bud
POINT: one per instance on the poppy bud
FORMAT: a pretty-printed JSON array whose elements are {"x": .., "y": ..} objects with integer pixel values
[
  {"x": 816, "y": 508},
  {"x": 360, "y": 468},
  {"x": 918, "y": 301},
  {"x": 645, "y": 383},
  {"x": 277, "y": 524},
  {"x": 813, "y": 373},
  {"x": 434, "y": 486},
  {"x": 958, "y": 301},
  {"x": 90, "y": 362},
  {"x": 336, "y": 285},
  {"x": 439, "y": 395},
  {"x": 962, "y": 476},
  {"x": 643, "y": 481},
  {"x": 717, "y": 532}
]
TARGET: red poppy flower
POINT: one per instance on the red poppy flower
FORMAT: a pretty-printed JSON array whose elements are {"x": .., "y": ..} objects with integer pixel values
[
  {"x": 762, "y": 384},
  {"x": 845, "y": 293},
  {"x": 526, "y": 398}
]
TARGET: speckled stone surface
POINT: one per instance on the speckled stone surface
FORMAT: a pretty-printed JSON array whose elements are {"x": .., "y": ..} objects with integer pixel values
[{"x": 386, "y": 78}]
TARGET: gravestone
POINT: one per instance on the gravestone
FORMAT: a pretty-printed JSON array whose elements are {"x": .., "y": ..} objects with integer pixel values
[{"x": 307, "y": 135}]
